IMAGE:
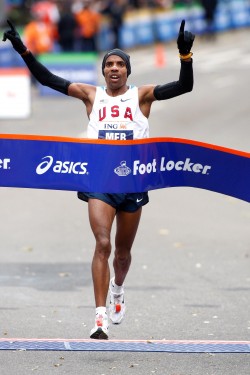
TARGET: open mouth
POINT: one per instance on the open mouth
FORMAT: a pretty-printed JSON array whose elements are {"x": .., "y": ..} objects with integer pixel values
[{"x": 114, "y": 77}]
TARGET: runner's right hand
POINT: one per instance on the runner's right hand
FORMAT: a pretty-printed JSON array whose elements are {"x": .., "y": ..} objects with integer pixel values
[{"x": 14, "y": 38}]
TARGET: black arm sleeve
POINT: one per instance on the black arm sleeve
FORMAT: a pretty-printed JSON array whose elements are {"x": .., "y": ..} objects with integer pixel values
[
  {"x": 172, "y": 89},
  {"x": 44, "y": 76}
]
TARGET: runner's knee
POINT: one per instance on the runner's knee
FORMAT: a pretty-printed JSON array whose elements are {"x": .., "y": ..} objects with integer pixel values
[
  {"x": 103, "y": 246},
  {"x": 122, "y": 257}
]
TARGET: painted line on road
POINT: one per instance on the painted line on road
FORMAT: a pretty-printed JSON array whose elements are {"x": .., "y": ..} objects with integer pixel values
[{"x": 170, "y": 346}]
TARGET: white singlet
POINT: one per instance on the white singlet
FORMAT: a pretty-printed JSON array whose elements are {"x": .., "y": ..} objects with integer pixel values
[{"x": 117, "y": 118}]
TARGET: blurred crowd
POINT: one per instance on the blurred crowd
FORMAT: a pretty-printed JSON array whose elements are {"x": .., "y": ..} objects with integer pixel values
[{"x": 74, "y": 25}]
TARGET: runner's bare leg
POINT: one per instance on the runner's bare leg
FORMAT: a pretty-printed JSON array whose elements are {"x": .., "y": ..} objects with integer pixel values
[
  {"x": 101, "y": 217},
  {"x": 127, "y": 225}
]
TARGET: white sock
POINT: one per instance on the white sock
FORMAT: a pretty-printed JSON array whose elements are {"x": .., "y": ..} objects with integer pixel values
[
  {"x": 116, "y": 289},
  {"x": 101, "y": 310}
]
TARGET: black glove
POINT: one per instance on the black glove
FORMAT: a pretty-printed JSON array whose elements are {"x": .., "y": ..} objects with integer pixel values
[
  {"x": 185, "y": 40},
  {"x": 15, "y": 39}
]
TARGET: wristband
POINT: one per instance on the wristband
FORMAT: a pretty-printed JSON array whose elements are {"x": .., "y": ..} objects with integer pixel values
[{"x": 186, "y": 57}]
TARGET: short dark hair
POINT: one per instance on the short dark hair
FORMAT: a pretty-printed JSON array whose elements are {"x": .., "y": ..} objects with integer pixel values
[{"x": 122, "y": 54}]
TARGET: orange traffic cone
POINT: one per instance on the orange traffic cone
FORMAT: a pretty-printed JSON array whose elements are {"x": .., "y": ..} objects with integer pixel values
[{"x": 160, "y": 59}]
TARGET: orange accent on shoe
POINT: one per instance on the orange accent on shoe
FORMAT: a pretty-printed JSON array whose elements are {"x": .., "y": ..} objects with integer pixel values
[
  {"x": 99, "y": 322},
  {"x": 118, "y": 308}
]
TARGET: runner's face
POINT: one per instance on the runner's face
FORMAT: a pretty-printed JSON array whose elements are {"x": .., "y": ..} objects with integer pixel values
[{"x": 115, "y": 72}]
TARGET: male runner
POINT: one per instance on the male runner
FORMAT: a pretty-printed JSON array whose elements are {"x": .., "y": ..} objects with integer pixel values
[{"x": 128, "y": 108}]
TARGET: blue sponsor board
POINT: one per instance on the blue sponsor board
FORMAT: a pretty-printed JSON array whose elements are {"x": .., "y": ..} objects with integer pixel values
[
  {"x": 9, "y": 57},
  {"x": 75, "y": 67},
  {"x": 116, "y": 167}
]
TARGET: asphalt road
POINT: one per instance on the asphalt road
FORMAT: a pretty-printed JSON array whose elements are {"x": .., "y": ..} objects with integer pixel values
[{"x": 190, "y": 275}]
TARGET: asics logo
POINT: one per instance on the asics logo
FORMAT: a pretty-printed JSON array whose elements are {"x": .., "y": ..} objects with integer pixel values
[
  {"x": 59, "y": 166},
  {"x": 45, "y": 165}
]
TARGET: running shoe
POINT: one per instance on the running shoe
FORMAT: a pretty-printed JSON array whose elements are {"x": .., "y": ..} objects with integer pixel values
[
  {"x": 101, "y": 328},
  {"x": 117, "y": 305}
]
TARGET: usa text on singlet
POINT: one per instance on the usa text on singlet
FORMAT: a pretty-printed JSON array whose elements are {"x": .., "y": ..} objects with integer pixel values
[{"x": 117, "y": 118}]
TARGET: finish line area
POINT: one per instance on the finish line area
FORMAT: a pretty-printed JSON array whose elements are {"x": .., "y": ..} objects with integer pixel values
[{"x": 168, "y": 346}]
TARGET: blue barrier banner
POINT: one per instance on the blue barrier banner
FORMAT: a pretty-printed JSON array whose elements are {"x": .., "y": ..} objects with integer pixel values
[{"x": 87, "y": 165}]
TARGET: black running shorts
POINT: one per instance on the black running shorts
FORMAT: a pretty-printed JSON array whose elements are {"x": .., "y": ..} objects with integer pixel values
[{"x": 130, "y": 202}]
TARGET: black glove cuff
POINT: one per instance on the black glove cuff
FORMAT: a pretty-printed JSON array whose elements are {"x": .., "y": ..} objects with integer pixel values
[{"x": 173, "y": 89}]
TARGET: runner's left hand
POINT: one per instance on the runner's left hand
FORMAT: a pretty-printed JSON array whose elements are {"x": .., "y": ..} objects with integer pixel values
[{"x": 185, "y": 40}]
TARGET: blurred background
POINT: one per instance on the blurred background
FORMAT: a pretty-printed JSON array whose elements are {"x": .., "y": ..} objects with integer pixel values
[
  {"x": 191, "y": 261},
  {"x": 85, "y": 25},
  {"x": 70, "y": 36}
]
